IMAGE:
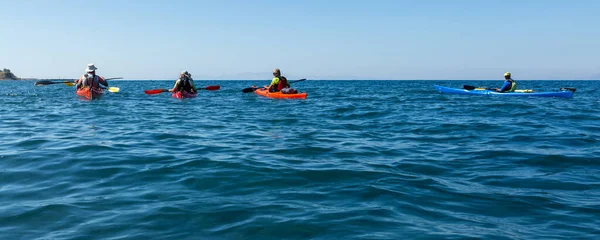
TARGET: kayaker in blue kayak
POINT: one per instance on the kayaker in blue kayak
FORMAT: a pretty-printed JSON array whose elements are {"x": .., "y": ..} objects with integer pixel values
[
  {"x": 279, "y": 82},
  {"x": 509, "y": 84},
  {"x": 90, "y": 78},
  {"x": 184, "y": 83}
]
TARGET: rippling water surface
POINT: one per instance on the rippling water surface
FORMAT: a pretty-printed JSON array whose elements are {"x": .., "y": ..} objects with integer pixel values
[{"x": 355, "y": 160}]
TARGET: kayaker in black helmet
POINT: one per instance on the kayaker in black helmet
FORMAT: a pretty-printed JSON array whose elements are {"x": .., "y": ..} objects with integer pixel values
[
  {"x": 184, "y": 83},
  {"x": 509, "y": 84},
  {"x": 90, "y": 79},
  {"x": 279, "y": 82}
]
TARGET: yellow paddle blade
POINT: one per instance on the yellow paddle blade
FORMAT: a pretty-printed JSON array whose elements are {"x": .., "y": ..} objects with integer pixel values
[
  {"x": 70, "y": 84},
  {"x": 519, "y": 90},
  {"x": 113, "y": 89}
]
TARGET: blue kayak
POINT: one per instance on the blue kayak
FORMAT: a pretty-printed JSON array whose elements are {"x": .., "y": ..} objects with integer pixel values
[{"x": 564, "y": 93}]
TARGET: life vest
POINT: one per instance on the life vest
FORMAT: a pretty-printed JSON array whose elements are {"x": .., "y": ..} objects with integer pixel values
[
  {"x": 513, "y": 86},
  {"x": 185, "y": 85},
  {"x": 91, "y": 80},
  {"x": 283, "y": 83}
]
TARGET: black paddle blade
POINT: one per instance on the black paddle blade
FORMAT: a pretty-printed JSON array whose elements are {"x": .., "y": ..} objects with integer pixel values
[
  {"x": 468, "y": 87},
  {"x": 568, "y": 89},
  {"x": 247, "y": 90},
  {"x": 45, "y": 82}
]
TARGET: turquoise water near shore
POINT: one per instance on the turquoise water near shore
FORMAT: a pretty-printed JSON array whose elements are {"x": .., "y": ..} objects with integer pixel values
[{"x": 355, "y": 160}]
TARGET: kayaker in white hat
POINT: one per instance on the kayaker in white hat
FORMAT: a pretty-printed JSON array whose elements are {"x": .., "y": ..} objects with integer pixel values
[
  {"x": 184, "y": 83},
  {"x": 509, "y": 84},
  {"x": 279, "y": 82},
  {"x": 90, "y": 78}
]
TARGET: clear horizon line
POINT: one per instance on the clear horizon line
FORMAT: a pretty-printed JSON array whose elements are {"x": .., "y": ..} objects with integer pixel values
[{"x": 37, "y": 79}]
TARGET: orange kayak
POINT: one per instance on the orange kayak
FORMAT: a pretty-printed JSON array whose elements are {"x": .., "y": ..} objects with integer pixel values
[
  {"x": 265, "y": 93},
  {"x": 89, "y": 93}
]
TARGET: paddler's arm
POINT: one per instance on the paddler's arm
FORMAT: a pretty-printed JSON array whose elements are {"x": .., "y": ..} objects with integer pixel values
[
  {"x": 505, "y": 87},
  {"x": 273, "y": 83},
  {"x": 102, "y": 81},
  {"x": 193, "y": 85},
  {"x": 174, "y": 86},
  {"x": 78, "y": 82}
]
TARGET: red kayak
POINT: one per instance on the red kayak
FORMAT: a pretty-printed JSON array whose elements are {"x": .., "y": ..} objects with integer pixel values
[
  {"x": 90, "y": 93},
  {"x": 184, "y": 94}
]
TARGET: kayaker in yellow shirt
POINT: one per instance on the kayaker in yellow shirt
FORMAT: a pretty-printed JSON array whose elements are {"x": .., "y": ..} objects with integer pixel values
[{"x": 279, "y": 82}]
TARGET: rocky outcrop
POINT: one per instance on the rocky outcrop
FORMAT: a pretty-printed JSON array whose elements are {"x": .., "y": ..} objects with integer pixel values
[{"x": 7, "y": 74}]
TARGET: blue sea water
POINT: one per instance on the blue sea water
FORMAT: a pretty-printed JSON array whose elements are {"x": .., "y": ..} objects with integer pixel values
[{"x": 355, "y": 160}]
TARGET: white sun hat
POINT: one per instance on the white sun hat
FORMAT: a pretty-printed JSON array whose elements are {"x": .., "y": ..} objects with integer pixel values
[
  {"x": 90, "y": 68},
  {"x": 186, "y": 73}
]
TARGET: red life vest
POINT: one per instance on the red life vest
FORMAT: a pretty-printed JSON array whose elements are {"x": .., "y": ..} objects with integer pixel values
[{"x": 283, "y": 83}]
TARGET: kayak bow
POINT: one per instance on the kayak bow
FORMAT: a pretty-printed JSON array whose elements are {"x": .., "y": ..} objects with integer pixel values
[
  {"x": 89, "y": 93},
  {"x": 184, "y": 94}
]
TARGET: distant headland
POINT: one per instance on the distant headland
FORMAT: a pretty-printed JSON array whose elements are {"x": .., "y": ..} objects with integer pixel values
[{"x": 6, "y": 74}]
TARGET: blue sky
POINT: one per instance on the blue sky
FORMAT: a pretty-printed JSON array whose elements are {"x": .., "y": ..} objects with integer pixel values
[{"x": 315, "y": 39}]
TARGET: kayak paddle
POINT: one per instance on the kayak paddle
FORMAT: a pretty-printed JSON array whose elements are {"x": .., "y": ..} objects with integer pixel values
[
  {"x": 68, "y": 83},
  {"x": 568, "y": 89},
  {"x": 114, "y": 89},
  {"x": 211, "y": 88},
  {"x": 299, "y": 80},
  {"x": 156, "y": 91},
  {"x": 252, "y": 89},
  {"x": 468, "y": 87},
  {"x": 45, "y": 82},
  {"x": 162, "y": 90}
]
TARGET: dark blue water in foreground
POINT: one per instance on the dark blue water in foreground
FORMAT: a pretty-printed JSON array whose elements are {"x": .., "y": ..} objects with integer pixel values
[{"x": 356, "y": 160}]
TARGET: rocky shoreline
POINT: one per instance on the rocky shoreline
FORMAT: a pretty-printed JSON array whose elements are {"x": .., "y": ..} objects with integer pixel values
[{"x": 6, "y": 74}]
